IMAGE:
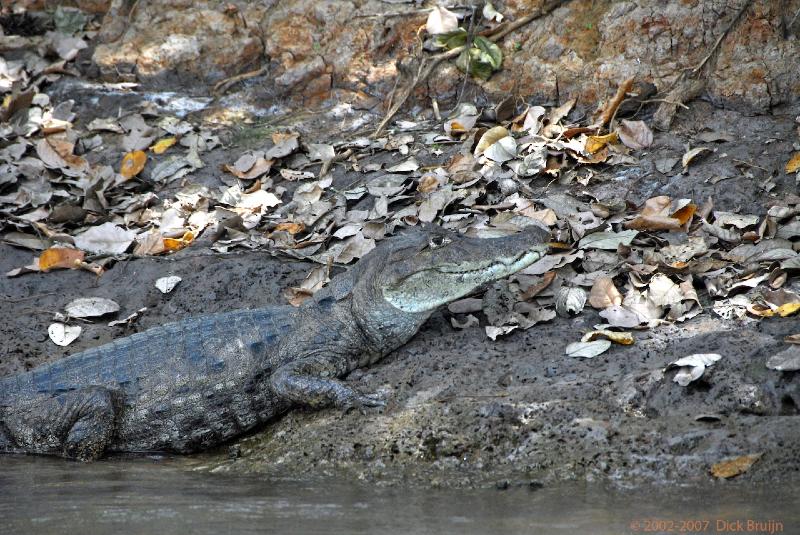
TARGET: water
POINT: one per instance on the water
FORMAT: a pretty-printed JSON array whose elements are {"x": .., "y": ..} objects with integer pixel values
[{"x": 144, "y": 496}]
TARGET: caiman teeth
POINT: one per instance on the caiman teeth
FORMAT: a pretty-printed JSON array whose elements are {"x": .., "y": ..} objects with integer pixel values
[{"x": 499, "y": 263}]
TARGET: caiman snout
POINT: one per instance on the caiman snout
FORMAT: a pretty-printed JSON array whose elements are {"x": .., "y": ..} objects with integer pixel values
[{"x": 446, "y": 266}]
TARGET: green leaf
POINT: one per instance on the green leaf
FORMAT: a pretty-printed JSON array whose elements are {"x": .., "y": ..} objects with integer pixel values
[
  {"x": 490, "y": 51},
  {"x": 477, "y": 68},
  {"x": 452, "y": 39}
]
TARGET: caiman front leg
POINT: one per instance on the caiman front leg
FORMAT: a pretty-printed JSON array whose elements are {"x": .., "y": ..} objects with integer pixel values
[
  {"x": 312, "y": 381},
  {"x": 77, "y": 425}
]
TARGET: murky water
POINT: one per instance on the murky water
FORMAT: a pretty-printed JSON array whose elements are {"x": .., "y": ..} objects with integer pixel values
[{"x": 41, "y": 496}]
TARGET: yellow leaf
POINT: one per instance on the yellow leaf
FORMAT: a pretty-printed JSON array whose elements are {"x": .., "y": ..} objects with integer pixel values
[
  {"x": 625, "y": 338},
  {"x": 133, "y": 163},
  {"x": 793, "y": 164},
  {"x": 788, "y": 309},
  {"x": 595, "y": 143},
  {"x": 163, "y": 144},
  {"x": 60, "y": 257},
  {"x": 492, "y": 136},
  {"x": 734, "y": 467},
  {"x": 175, "y": 244}
]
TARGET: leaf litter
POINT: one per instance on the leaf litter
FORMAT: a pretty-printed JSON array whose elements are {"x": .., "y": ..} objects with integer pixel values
[{"x": 639, "y": 266}]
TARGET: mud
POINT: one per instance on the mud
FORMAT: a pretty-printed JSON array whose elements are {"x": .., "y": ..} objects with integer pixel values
[{"x": 466, "y": 411}]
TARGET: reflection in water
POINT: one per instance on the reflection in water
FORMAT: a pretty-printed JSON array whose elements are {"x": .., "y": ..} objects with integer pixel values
[{"x": 145, "y": 496}]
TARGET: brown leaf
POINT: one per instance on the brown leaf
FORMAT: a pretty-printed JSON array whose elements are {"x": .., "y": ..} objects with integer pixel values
[
  {"x": 635, "y": 134},
  {"x": 604, "y": 294},
  {"x": 735, "y": 466},
  {"x": 133, "y": 163},
  {"x": 653, "y": 222},
  {"x": 290, "y": 227}
]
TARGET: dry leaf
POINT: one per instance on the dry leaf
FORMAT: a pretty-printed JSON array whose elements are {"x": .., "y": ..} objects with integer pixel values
[
  {"x": 490, "y": 137},
  {"x": 441, "y": 20},
  {"x": 735, "y": 466},
  {"x": 107, "y": 238},
  {"x": 60, "y": 258},
  {"x": 162, "y": 145},
  {"x": 793, "y": 165},
  {"x": 635, "y": 134},
  {"x": 493, "y": 332},
  {"x": 290, "y": 227},
  {"x": 175, "y": 244},
  {"x": 604, "y": 294},
  {"x": 623, "y": 338},
  {"x": 595, "y": 143},
  {"x": 692, "y": 154},
  {"x": 692, "y": 367},
  {"x": 787, "y": 360},
  {"x": 63, "y": 335},
  {"x": 133, "y": 163},
  {"x": 166, "y": 284},
  {"x": 587, "y": 350},
  {"x": 91, "y": 307}
]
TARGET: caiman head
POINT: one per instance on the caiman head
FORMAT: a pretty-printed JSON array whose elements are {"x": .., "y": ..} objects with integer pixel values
[{"x": 421, "y": 270}]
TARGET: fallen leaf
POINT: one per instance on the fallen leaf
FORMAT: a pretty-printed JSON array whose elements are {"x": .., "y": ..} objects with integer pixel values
[
  {"x": 787, "y": 360},
  {"x": 175, "y": 244},
  {"x": 166, "y": 284},
  {"x": 570, "y": 300},
  {"x": 604, "y": 294},
  {"x": 623, "y": 338},
  {"x": 60, "y": 258},
  {"x": 490, "y": 137},
  {"x": 163, "y": 144},
  {"x": 441, "y": 20},
  {"x": 595, "y": 143},
  {"x": 405, "y": 167},
  {"x": 290, "y": 227},
  {"x": 107, "y": 238},
  {"x": 587, "y": 350},
  {"x": 90, "y": 307},
  {"x": 691, "y": 367},
  {"x": 63, "y": 335},
  {"x": 735, "y": 466},
  {"x": 691, "y": 155},
  {"x": 793, "y": 165},
  {"x": 635, "y": 134},
  {"x": 493, "y": 332},
  {"x": 128, "y": 319},
  {"x": 504, "y": 150},
  {"x": 607, "y": 240},
  {"x": 133, "y": 163}
]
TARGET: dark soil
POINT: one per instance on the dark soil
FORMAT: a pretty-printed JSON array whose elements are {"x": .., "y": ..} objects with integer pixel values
[{"x": 464, "y": 410}]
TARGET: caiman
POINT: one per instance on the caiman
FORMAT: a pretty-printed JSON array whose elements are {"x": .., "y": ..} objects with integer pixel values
[{"x": 197, "y": 383}]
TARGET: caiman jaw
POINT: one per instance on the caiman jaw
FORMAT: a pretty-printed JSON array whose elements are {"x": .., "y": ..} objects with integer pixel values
[{"x": 427, "y": 289}]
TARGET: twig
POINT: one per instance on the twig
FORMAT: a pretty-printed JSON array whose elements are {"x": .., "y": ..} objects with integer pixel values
[
  {"x": 467, "y": 70},
  {"x": 674, "y": 103},
  {"x": 476, "y": 396},
  {"x": 223, "y": 85},
  {"x": 721, "y": 37},
  {"x": 427, "y": 65}
]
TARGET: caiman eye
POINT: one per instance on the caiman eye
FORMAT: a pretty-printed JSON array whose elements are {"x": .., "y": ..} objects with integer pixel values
[{"x": 438, "y": 241}]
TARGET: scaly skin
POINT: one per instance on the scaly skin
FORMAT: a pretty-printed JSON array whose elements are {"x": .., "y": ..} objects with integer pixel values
[{"x": 200, "y": 382}]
